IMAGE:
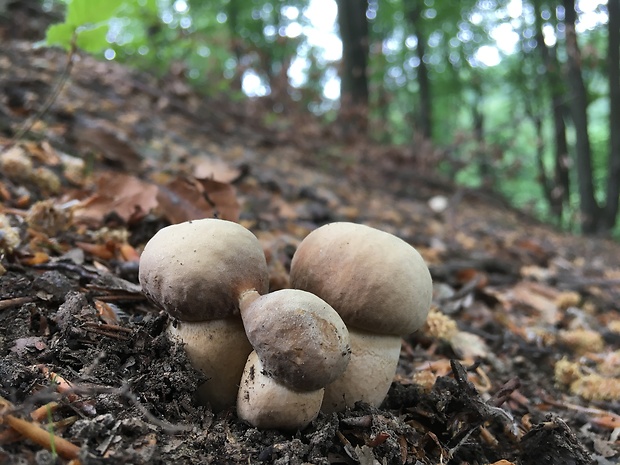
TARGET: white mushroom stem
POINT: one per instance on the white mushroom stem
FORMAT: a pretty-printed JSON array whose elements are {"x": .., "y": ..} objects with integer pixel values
[
  {"x": 266, "y": 404},
  {"x": 376, "y": 357},
  {"x": 219, "y": 349}
]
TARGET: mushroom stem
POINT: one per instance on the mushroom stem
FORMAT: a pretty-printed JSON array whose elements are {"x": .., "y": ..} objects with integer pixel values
[
  {"x": 374, "y": 354},
  {"x": 247, "y": 298},
  {"x": 267, "y": 404},
  {"x": 217, "y": 348}
]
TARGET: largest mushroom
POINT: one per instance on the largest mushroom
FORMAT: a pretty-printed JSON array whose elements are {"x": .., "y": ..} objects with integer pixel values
[
  {"x": 199, "y": 272},
  {"x": 382, "y": 289}
]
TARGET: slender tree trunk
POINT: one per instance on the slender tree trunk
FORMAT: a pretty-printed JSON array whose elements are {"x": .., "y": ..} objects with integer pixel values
[
  {"x": 557, "y": 190},
  {"x": 562, "y": 187},
  {"x": 353, "y": 26},
  {"x": 425, "y": 113},
  {"x": 589, "y": 208},
  {"x": 613, "y": 181},
  {"x": 483, "y": 157},
  {"x": 232, "y": 11}
]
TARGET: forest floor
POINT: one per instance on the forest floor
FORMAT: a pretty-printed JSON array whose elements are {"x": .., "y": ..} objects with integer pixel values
[{"x": 519, "y": 362}]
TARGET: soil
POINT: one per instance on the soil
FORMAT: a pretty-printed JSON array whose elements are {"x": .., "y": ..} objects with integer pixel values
[{"x": 78, "y": 314}]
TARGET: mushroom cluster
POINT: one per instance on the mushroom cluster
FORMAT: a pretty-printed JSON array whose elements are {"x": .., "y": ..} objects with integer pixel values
[
  {"x": 283, "y": 356},
  {"x": 284, "y": 347}
]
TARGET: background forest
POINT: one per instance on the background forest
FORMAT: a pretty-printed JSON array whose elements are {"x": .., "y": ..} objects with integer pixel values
[{"x": 519, "y": 97}]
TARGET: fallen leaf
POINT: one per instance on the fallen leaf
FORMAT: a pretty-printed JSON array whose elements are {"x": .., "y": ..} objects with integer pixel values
[
  {"x": 214, "y": 169},
  {"x": 24, "y": 344},
  {"x": 185, "y": 199},
  {"x": 126, "y": 195}
]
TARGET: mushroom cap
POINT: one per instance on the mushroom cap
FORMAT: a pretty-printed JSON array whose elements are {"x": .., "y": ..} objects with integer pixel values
[
  {"x": 373, "y": 279},
  {"x": 301, "y": 341},
  {"x": 266, "y": 404},
  {"x": 196, "y": 270}
]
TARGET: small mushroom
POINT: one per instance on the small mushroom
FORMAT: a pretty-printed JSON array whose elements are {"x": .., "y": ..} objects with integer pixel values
[
  {"x": 197, "y": 272},
  {"x": 300, "y": 346},
  {"x": 381, "y": 288}
]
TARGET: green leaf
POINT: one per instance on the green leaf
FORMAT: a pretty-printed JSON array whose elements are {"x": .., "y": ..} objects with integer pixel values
[
  {"x": 83, "y": 12},
  {"x": 60, "y": 34},
  {"x": 93, "y": 40}
]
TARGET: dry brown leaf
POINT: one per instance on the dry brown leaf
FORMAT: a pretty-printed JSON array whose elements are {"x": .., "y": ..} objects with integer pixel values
[
  {"x": 95, "y": 137},
  {"x": 223, "y": 196},
  {"x": 105, "y": 312},
  {"x": 126, "y": 195},
  {"x": 185, "y": 199},
  {"x": 537, "y": 296},
  {"x": 182, "y": 200},
  {"x": 214, "y": 169},
  {"x": 102, "y": 251}
]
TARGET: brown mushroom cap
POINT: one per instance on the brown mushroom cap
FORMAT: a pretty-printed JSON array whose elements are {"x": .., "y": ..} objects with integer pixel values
[
  {"x": 196, "y": 270},
  {"x": 374, "y": 280},
  {"x": 301, "y": 341}
]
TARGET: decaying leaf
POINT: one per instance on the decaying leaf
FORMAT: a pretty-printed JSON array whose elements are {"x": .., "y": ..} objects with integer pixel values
[
  {"x": 126, "y": 195},
  {"x": 185, "y": 199}
]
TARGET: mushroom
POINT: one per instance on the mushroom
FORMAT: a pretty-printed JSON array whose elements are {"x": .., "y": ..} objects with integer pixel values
[
  {"x": 300, "y": 346},
  {"x": 197, "y": 272},
  {"x": 381, "y": 288}
]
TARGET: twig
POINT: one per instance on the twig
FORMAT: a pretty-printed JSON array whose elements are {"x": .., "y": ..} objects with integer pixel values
[
  {"x": 29, "y": 123},
  {"x": 47, "y": 439},
  {"x": 8, "y": 303},
  {"x": 108, "y": 327},
  {"x": 38, "y": 435},
  {"x": 589, "y": 410}
]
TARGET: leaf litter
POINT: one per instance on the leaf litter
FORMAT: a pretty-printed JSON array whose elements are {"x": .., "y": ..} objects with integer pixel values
[{"x": 519, "y": 362}]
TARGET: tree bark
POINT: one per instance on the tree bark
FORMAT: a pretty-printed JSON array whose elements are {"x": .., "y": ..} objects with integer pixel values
[
  {"x": 558, "y": 189},
  {"x": 613, "y": 181},
  {"x": 353, "y": 26},
  {"x": 589, "y": 208},
  {"x": 232, "y": 11},
  {"x": 424, "y": 116}
]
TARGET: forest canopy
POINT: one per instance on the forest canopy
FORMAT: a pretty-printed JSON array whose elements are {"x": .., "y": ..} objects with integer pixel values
[{"x": 520, "y": 97}]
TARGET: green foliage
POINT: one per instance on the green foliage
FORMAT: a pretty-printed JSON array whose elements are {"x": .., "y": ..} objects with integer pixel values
[{"x": 87, "y": 22}]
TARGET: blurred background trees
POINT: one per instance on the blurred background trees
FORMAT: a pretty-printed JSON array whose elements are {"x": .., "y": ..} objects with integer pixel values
[{"x": 519, "y": 96}]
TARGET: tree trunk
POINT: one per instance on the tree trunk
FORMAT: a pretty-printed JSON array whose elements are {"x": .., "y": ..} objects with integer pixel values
[
  {"x": 353, "y": 75},
  {"x": 483, "y": 157},
  {"x": 589, "y": 208},
  {"x": 613, "y": 181},
  {"x": 558, "y": 190},
  {"x": 232, "y": 11},
  {"x": 424, "y": 115},
  {"x": 562, "y": 188}
]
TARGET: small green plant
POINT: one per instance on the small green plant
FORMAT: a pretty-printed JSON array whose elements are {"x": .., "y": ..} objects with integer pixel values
[
  {"x": 50, "y": 428},
  {"x": 87, "y": 22}
]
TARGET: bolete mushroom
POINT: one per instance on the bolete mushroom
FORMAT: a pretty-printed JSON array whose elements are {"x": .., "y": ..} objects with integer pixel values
[
  {"x": 300, "y": 346},
  {"x": 197, "y": 272},
  {"x": 382, "y": 289}
]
